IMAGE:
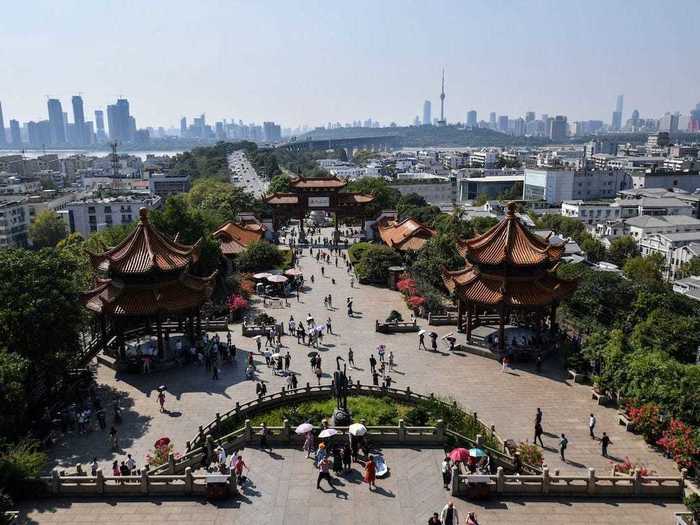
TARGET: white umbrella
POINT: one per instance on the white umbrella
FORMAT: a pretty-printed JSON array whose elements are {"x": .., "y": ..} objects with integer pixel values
[
  {"x": 328, "y": 433},
  {"x": 277, "y": 279},
  {"x": 257, "y": 337},
  {"x": 262, "y": 275},
  {"x": 275, "y": 355},
  {"x": 304, "y": 428},
  {"x": 357, "y": 429},
  {"x": 448, "y": 335},
  {"x": 293, "y": 272},
  {"x": 421, "y": 332}
]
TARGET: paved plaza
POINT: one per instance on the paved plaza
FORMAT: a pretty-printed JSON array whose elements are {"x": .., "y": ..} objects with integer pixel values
[{"x": 506, "y": 400}]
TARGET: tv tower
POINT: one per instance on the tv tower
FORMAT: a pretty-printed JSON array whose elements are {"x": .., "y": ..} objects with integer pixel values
[{"x": 442, "y": 121}]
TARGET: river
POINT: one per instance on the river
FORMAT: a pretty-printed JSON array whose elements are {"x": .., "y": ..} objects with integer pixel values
[{"x": 63, "y": 153}]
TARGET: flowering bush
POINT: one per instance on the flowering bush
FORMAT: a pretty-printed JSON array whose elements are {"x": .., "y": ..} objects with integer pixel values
[
  {"x": 646, "y": 420},
  {"x": 627, "y": 468},
  {"x": 237, "y": 303},
  {"x": 530, "y": 454},
  {"x": 415, "y": 301},
  {"x": 247, "y": 288},
  {"x": 159, "y": 456},
  {"x": 679, "y": 442},
  {"x": 406, "y": 286}
]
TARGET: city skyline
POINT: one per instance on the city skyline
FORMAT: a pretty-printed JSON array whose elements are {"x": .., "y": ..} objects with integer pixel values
[{"x": 177, "y": 66}]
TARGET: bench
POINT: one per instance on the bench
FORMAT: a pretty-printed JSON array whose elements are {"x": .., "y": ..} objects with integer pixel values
[
  {"x": 602, "y": 399},
  {"x": 623, "y": 420},
  {"x": 578, "y": 377}
]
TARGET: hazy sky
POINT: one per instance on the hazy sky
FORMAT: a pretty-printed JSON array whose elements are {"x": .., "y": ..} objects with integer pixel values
[{"x": 310, "y": 62}]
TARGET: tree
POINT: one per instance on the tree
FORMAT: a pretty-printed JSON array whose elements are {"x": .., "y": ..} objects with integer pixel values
[
  {"x": 438, "y": 253},
  {"x": 563, "y": 226},
  {"x": 259, "y": 256},
  {"x": 279, "y": 184},
  {"x": 219, "y": 201},
  {"x": 692, "y": 267},
  {"x": 644, "y": 270},
  {"x": 385, "y": 197},
  {"x": 482, "y": 224},
  {"x": 480, "y": 200},
  {"x": 622, "y": 249},
  {"x": 47, "y": 229},
  {"x": 409, "y": 201},
  {"x": 375, "y": 262},
  {"x": 594, "y": 249},
  {"x": 668, "y": 331}
]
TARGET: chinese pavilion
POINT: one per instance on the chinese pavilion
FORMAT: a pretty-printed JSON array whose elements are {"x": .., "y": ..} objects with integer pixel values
[
  {"x": 146, "y": 279},
  {"x": 235, "y": 237},
  {"x": 317, "y": 194},
  {"x": 406, "y": 235},
  {"x": 510, "y": 272}
]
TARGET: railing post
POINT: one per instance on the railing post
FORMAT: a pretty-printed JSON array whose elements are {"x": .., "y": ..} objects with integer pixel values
[
  {"x": 590, "y": 483},
  {"x": 287, "y": 431},
  {"x": 402, "y": 431},
  {"x": 476, "y": 418},
  {"x": 440, "y": 429},
  {"x": 210, "y": 448},
  {"x": 248, "y": 431},
  {"x": 545, "y": 480},
  {"x": 308, "y": 387},
  {"x": 100, "y": 481},
  {"x": 493, "y": 431},
  {"x": 189, "y": 482},
  {"x": 479, "y": 441},
  {"x": 454, "y": 481},
  {"x": 144, "y": 482},
  {"x": 188, "y": 446},
  {"x": 637, "y": 481},
  {"x": 238, "y": 407},
  {"x": 201, "y": 433},
  {"x": 500, "y": 480},
  {"x": 171, "y": 463},
  {"x": 684, "y": 475},
  {"x": 218, "y": 421},
  {"x": 55, "y": 482}
]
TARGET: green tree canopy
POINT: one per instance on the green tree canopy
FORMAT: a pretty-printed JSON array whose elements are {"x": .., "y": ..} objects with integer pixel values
[
  {"x": 594, "y": 249},
  {"x": 375, "y": 262},
  {"x": 671, "y": 332},
  {"x": 385, "y": 197},
  {"x": 644, "y": 269},
  {"x": 563, "y": 226},
  {"x": 279, "y": 184},
  {"x": 259, "y": 256},
  {"x": 47, "y": 229},
  {"x": 438, "y": 253},
  {"x": 692, "y": 267},
  {"x": 622, "y": 249}
]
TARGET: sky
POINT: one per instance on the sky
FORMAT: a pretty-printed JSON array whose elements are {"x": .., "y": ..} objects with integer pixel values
[{"x": 308, "y": 62}]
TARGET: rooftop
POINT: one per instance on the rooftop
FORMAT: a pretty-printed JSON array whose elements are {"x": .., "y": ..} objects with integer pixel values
[{"x": 660, "y": 221}]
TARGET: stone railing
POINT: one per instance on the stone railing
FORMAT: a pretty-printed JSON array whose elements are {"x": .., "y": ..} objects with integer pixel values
[
  {"x": 442, "y": 319},
  {"x": 395, "y": 327},
  {"x": 545, "y": 484},
  {"x": 186, "y": 484}
]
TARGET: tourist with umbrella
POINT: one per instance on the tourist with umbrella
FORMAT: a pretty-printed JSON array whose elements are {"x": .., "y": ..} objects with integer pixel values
[
  {"x": 421, "y": 340},
  {"x": 433, "y": 339}
]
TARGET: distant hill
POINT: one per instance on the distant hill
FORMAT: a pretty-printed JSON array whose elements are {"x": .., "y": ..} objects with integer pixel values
[{"x": 427, "y": 136}]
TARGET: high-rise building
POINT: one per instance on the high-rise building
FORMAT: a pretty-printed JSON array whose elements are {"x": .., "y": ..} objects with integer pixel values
[
  {"x": 100, "y": 125},
  {"x": 669, "y": 122},
  {"x": 503, "y": 123},
  {"x": 492, "y": 120},
  {"x": 519, "y": 127},
  {"x": 693, "y": 125},
  {"x": 273, "y": 132},
  {"x": 617, "y": 114},
  {"x": 183, "y": 126},
  {"x": 15, "y": 134},
  {"x": 427, "y": 118},
  {"x": 3, "y": 141},
  {"x": 529, "y": 116},
  {"x": 558, "y": 130},
  {"x": 122, "y": 127},
  {"x": 79, "y": 132},
  {"x": 471, "y": 119},
  {"x": 635, "y": 119},
  {"x": 442, "y": 121},
  {"x": 56, "y": 123}
]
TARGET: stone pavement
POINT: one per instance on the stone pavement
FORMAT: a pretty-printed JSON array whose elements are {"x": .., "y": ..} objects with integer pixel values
[
  {"x": 506, "y": 400},
  {"x": 282, "y": 490}
]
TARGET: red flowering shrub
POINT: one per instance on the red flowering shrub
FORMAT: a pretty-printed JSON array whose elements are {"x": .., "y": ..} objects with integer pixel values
[
  {"x": 247, "y": 288},
  {"x": 236, "y": 303},
  {"x": 678, "y": 440},
  {"x": 159, "y": 456},
  {"x": 530, "y": 454},
  {"x": 627, "y": 468},
  {"x": 646, "y": 420},
  {"x": 406, "y": 286},
  {"x": 415, "y": 301}
]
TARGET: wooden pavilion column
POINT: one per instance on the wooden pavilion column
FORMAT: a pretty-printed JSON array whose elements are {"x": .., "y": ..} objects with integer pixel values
[
  {"x": 103, "y": 332},
  {"x": 190, "y": 328},
  {"x": 198, "y": 328},
  {"x": 119, "y": 327},
  {"x": 553, "y": 318},
  {"x": 159, "y": 335},
  {"x": 460, "y": 315}
]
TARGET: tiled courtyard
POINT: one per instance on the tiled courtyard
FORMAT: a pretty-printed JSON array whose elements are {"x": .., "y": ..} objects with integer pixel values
[{"x": 284, "y": 488}]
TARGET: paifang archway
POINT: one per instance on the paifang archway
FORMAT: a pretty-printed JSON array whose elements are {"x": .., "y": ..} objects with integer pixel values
[{"x": 318, "y": 194}]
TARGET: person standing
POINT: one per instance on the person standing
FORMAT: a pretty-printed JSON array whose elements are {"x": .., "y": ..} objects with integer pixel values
[
  {"x": 591, "y": 426},
  {"x": 124, "y": 470},
  {"x": 309, "y": 443},
  {"x": 563, "y": 443},
  {"x": 347, "y": 457},
  {"x": 370, "y": 475},
  {"x": 318, "y": 373},
  {"x": 264, "y": 435},
  {"x": 391, "y": 361},
  {"x": 329, "y": 326},
  {"x": 131, "y": 464},
  {"x": 446, "y": 469},
  {"x": 375, "y": 378},
  {"x": 258, "y": 343},
  {"x": 604, "y": 444},
  {"x": 93, "y": 467},
  {"x": 435, "y": 519},
  {"x": 538, "y": 434},
  {"x": 324, "y": 472},
  {"x": 449, "y": 515},
  {"x": 471, "y": 519},
  {"x": 380, "y": 351},
  {"x": 372, "y": 364},
  {"x": 238, "y": 467},
  {"x": 538, "y": 416},
  {"x": 114, "y": 438},
  {"x": 295, "y": 382},
  {"x": 351, "y": 358},
  {"x": 421, "y": 342},
  {"x": 287, "y": 361}
]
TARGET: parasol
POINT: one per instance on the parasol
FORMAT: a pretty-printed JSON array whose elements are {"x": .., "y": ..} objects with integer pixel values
[
  {"x": 257, "y": 337},
  {"x": 459, "y": 454},
  {"x": 162, "y": 442},
  {"x": 311, "y": 354},
  {"x": 477, "y": 453},
  {"x": 276, "y": 355},
  {"x": 304, "y": 428},
  {"x": 277, "y": 279},
  {"x": 293, "y": 272},
  {"x": 357, "y": 429},
  {"x": 329, "y": 432},
  {"x": 421, "y": 332},
  {"x": 262, "y": 275},
  {"x": 447, "y": 336}
]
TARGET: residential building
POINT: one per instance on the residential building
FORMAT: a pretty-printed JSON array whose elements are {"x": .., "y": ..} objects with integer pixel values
[
  {"x": 690, "y": 286},
  {"x": 100, "y": 125},
  {"x": 80, "y": 137},
  {"x": 559, "y": 128},
  {"x": 659, "y": 178},
  {"x": 644, "y": 225},
  {"x": 273, "y": 132},
  {"x": 485, "y": 158},
  {"x": 471, "y": 119},
  {"x": 14, "y": 222},
  {"x": 427, "y": 118},
  {"x": 590, "y": 212},
  {"x": 492, "y": 186},
  {"x": 556, "y": 185},
  {"x": 667, "y": 245},
  {"x": 56, "y": 122},
  {"x": 165, "y": 184},
  {"x": 89, "y": 215},
  {"x": 15, "y": 133},
  {"x": 434, "y": 189}
]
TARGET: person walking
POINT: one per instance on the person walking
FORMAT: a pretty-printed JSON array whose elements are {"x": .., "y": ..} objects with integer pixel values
[
  {"x": 449, "y": 514},
  {"x": 115, "y": 468},
  {"x": 435, "y": 519},
  {"x": 258, "y": 342},
  {"x": 318, "y": 373},
  {"x": 309, "y": 443},
  {"x": 264, "y": 435},
  {"x": 370, "y": 475},
  {"x": 329, "y": 326},
  {"x": 351, "y": 358},
  {"x": 591, "y": 426},
  {"x": 538, "y": 416},
  {"x": 238, "y": 467},
  {"x": 93, "y": 467},
  {"x": 391, "y": 361},
  {"x": 372, "y": 363},
  {"x": 604, "y": 444},
  {"x": 287, "y": 361},
  {"x": 347, "y": 457},
  {"x": 421, "y": 342},
  {"x": 471, "y": 519},
  {"x": 324, "y": 472},
  {"x": 380, "y": 351},
  {"x": 131, "y": 465},
  {"x": 563, "y": 443},
  {"x": 538, "y": 434},
  {"x": 446, "y": 469}
]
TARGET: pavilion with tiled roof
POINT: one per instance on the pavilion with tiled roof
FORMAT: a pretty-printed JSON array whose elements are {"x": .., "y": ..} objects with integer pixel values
[
  {"x": 317, "y": 194},
  {"x": 235, "y": 237},
  {"x": 406, "y": 235},
  {"x": 509, "y": 272},
  {"x": 145, "y": 279}
]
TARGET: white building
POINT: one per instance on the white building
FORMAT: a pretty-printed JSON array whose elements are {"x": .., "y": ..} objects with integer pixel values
[
  {"x": 164, "y": 184},
  {"x": 690, "y": 286},
  {"x": 688, "y": 181},
  {"x": 644, "y": 225},
  {"x": 667, "y": 244},
  {"x": 89, "y": 215},
  {"x": 14, "y": 222},
  {"x": 590, "y": 213},
  {"x": 556, "y": 185},
  {"x": 485, "y": 158},
  {"x": 435, "y": 189}
]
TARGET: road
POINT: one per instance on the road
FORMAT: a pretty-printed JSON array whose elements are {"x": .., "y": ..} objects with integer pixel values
[{"x": 244, "y": 175}]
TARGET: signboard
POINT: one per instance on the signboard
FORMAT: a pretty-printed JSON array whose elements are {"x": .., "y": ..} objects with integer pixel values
[{"x": 319, "y": 202}]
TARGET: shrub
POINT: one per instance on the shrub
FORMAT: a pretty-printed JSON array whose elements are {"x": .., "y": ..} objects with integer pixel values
[
  {"x": 415, "y": 301},
  {"x": 247, "y": 288},
  {"x": 236, "y": 304},
  {"x": 357, "y": 250},
  {"x": 627, "y": 468},
  {"x": 394, "y": 316},
  {"x": 679, "y": 442},
  {"x": 375, "y": 263},
  {"x": 258, "y": 256},
  {"x": 647, "y": 420},
  {"x": 18, "y": 463},
  {"x": 406, "y": 286},
  {"x": 161, "y": 450},
  {"x": 692, "y": 501},
  {"x": 264, "y": 319},
  {"x": 530, "y": 454}
]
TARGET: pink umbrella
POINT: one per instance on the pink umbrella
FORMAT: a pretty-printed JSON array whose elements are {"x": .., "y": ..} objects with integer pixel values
[
  {"x": 277, "y": 279},
  {"x": 293, "y": 272},
  {"x": 459, "y": 454},
  {"x": 162, "y": 442}
]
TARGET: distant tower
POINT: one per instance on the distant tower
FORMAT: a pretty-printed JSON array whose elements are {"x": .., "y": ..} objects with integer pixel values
[
  {"x": 427, "y": 119},
  {"x": 442, "y": 121}
]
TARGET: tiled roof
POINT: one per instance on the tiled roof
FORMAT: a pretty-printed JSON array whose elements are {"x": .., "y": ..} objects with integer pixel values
[
  {"x": 350, "y": 198},
  {"x": 234, "y": 238},
  {"x": 113, "y": 297},
  {"x": 473, "y": 286},
  {"x": 409, "y": 234},
  {"x": 282, "y": 198},
  {"x": 510, "y": 242},
  {"x": 144, "y": 250},
  {"x": 317, "y": 182}
]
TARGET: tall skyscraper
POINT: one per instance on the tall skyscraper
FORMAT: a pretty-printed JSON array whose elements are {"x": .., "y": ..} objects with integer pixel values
[
  {"x": 503, "y": 123},
  {"x": 79, "y": 132},
  {"x": 617, "y": 114},
  {"x": 529, "y": 116},
  {"x": 558, "y": 129},
  {"x": 56, "y": 123},
  {"x": 442, "y": 121},
  {"x": 2, "y": 128},
  {"x": 492, "y": 120},
  {"x": 471, "y": 119},
  {"x": 183, "y": 126},
  {"x": 15, "y": 134},
  {"x": 121, "y": 124},
  {"x": 100, "y": 125},
  {"x": 427, "y": 117},
  {"x": 112, "y": 122}
]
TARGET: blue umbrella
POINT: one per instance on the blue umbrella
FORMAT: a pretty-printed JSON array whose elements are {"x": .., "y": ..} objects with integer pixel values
[{"x": 477, "y": 453}]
